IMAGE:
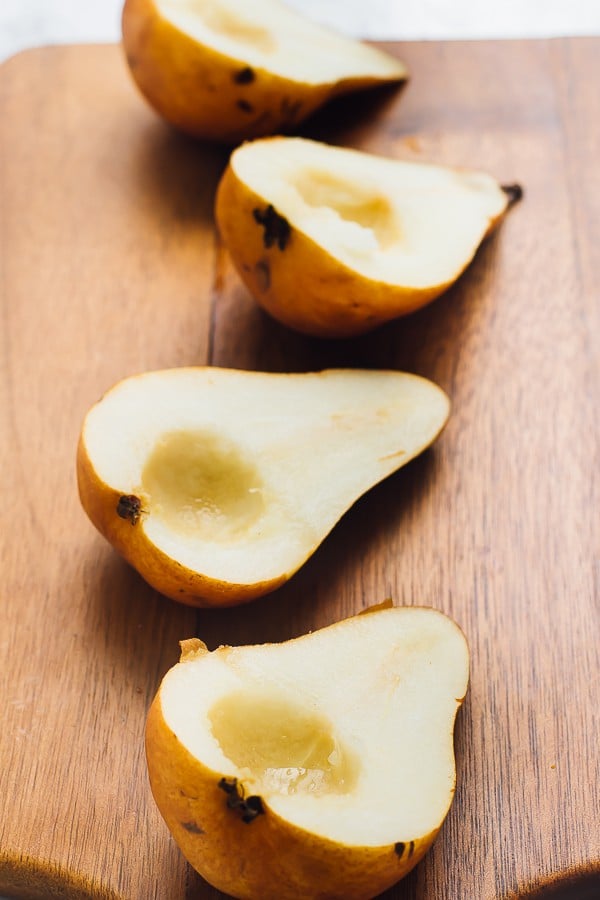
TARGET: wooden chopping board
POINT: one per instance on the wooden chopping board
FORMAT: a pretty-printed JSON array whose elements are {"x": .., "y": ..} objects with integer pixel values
[{"x": 110, "y": 266}]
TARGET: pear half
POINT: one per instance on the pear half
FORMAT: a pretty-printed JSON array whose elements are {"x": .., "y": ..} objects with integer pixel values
[
  {"x": 333, "y": 242},
  {"x": 322, "y": 767},
  {"x": 218, "y": 484},
  {"x": 228, "y": 69}
]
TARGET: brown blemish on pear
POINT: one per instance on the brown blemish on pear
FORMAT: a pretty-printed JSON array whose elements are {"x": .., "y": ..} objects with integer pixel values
[
  {"x": 262, "y": 271},
  {"x": 129, "y": 507},
  {"x": 276, "y": 228},
  {"x": 192, "y": 827},
  {"x": 248, "y": 807},
  {"x": 244, "y": 76}
]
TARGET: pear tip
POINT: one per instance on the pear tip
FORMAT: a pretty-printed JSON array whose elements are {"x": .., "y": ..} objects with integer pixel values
[
  {"x": 375, "y": 607},
  {"x": 191, "y": 648},
  {"x": 514, "y": 192}
]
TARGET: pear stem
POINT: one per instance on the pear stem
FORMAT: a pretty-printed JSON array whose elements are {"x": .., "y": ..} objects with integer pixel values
[{"x": 514, "y": 192}]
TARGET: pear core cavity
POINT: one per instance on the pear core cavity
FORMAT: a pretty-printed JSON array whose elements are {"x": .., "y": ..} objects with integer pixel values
[
  {"x": 367, "y": 208},
  {"x": 198, "y": 482},
  {"x": 281, "y": 746}
]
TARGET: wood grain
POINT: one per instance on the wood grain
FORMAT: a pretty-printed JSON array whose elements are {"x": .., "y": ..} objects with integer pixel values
[{"x": 110, "y": 266}]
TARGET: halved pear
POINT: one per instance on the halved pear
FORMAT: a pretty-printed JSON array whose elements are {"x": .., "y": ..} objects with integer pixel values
[
  {"x": 218, "y": 484},
  {"x": 333, "y": 242},
  {"x": 228, "y": 70},
  {"x": 322, "y": 767}
]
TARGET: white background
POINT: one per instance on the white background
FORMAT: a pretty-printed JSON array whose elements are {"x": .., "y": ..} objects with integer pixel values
[{"x": 27, "y": 23}]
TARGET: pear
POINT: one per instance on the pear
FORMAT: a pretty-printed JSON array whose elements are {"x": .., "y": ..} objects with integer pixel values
[
  {"x": 217, "y": 484},
  {"x": 322, "y": 767},
  {"x": 228, "y": 70},
  {"x": 333, "y": 242}
]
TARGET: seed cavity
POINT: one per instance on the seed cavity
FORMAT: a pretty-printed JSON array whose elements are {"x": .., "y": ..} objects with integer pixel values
[
  {"x": 372, "y": 211},
  {"x": 202, "y": 486},
  {"x": 283, "y": 745}
]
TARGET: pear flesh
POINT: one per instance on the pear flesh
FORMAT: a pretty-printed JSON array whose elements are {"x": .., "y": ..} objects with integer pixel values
[
  {"x": 349, "y": 239},
  {"x": 271, "y": 36},
  {"x": 218, "y": 484},
  {"x": 338, "y": 746}
]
